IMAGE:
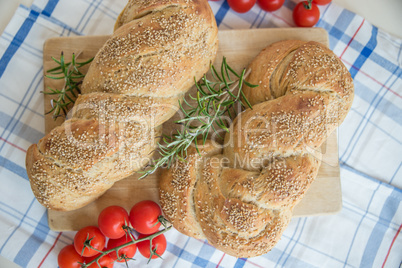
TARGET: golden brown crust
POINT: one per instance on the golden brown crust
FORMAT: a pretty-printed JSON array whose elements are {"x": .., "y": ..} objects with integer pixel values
[
  {"x": 110, "y": 106},
  {"x": 176, "y": 190},
  {"x": 244, "y": 198},
  {"x": 61, "y": 187},
  {"x": 133, "y": 85},
  {"x": 155, "y": 55}
]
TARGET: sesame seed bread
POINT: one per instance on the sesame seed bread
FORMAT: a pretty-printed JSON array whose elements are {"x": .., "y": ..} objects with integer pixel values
[
  {"x": 133, "y": 85},
  {"x": 240, "y": 195}
]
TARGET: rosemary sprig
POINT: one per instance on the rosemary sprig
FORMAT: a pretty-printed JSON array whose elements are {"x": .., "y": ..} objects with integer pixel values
[
  {"x": 69, "y": 71},
  {"x": 215, "y": 100}
]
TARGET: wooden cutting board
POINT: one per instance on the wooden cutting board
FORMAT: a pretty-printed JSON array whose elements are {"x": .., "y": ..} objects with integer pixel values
[{"x": 239, "y": 47}]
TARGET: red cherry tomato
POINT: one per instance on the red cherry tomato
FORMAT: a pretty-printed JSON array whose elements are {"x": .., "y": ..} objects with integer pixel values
[
  {"x": 322, "y": 2},
  {"x": 89, "y": 233},
  {"x": 158, "y": 246},
  {"x": 241, "y": 6},
  {"x": 105, "y": 261},
  {"x": 270, "y": 5},
  {"x": 112, "y": 220},
  {"x": 127, "y": 252},
  {"x": 69, "y": 258},
  {"x": 144, "y": 217},
  {"x": 304, "y": 17}
]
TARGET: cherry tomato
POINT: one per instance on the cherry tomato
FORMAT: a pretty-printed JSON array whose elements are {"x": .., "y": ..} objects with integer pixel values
[
  {"x": 322, "y": 2},
  {"x": 270, "y": 5},
  {"x": 69, "y": 258},
  {"x": 89, "y": 233},
  {"x": 126, "y": 252},
  {"x": 158, "y": 246},
  {"x": 105, "y": 261},
  {"x": 144, "y": 217},
  {"x": 304, "y": 17},
  {"x": 241, "y": 6},
  {"x": 112, "y": 220}
]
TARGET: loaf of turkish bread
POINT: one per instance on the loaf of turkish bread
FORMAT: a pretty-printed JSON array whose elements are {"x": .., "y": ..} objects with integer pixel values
[
  {"x": 240, "y": 196},
  {"x": 133, "y": 85}
]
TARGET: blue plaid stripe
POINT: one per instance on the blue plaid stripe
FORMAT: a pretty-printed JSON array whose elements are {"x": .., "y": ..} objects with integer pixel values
[
  {"x": 92, "y": 6},
  {"x": 291, "y": 240},
  {"x": 51, "y": 5},
  {"x": 21, "y": 35},
  {"x": 220, "y": 15},
  {"x": 29, "y": 221},
  {"x": 181, "y": 253},
  {"x": 395, "y": 173},
  {"x": 56, "y": 22},
  {"x": 387, "y": 107},
  {"x": 34, "y": 241},
  {"x": 17, "y": 227},
  {"x": 287, "y": 254},
  {"x": 37, "y": 238},
  {"x": 13, "y": 167},
  {"x": 337, "y": 34},
  {"x": 365, "y": 53},
  {"x": 14, "y": 122},
  {"x": 26, "y": 47},
  {"x": 240, "y": 263},
  {"x": 373, "y": 105},
  {"x": 18, "y": 39},
  {"x": 377, "y": 235}
]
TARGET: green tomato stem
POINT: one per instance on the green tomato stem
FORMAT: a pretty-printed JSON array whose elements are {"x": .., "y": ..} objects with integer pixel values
[
  {"x": 133, "y": 241},
  {"x": 308, "y": 5}
]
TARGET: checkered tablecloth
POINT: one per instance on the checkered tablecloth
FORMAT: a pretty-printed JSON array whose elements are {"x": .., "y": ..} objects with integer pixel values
[{"x": 366, "y": 233}]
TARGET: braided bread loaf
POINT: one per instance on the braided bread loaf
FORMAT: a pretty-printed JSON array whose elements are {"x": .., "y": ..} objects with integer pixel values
[
  {"x": 240, "y": 196},
  {"x": 133, "y": 85}
]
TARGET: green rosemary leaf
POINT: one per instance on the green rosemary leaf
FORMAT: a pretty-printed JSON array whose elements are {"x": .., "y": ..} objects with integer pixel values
[
  {"x": 188, "y": 104},
  {"x": 77, "y": 76},
  {"x": 213, "y": 103},
  {"x": 73, "y": 60},
  {"x": 58, "y": 62},
  {"x": 223, "y": 74},
  {"x": 80, "y": 64},
  {"x": 51, "y": 110},
  {"x": 186, "y": 114},
  {"x": 71, "y": 90},
  {"x": 196, "y": 146},
  {"x": 52, "y": 91},
  {"x": 70, "y": 99},
  {"x": 55, "y": 70},
  {"x": 226, "y": 69},
  {"x": 54, "y": 77},
  {"x": 211, "y": 90},
  {"x": 62, "y": 64},
  {"x": 250, "y": 85},
  {"x": 227, "y": 103},
  {"x": 215, "y": 74},
  {"x": 246, "y": 100},
  {"x": 227, "y": 110},
  {"x": 233, "y": 71},
  {"x": 216, "y": 132},
  {"x": 240, "y": 85},
  {"x": 69, "y": 71},
  {"x": 199, "y": 87}
]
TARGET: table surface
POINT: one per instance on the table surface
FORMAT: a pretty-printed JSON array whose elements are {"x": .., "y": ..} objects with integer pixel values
[{"x": 384, "y": 15}]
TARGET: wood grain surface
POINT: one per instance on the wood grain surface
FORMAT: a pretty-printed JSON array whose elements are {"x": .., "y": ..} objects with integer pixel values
[{"x": 239, "y": 47}]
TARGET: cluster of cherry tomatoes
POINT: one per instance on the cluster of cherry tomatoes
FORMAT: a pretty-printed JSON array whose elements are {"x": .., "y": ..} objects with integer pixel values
[
  {"x": 115, "y": 228},
  {"x": 305, "y": 13}
]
